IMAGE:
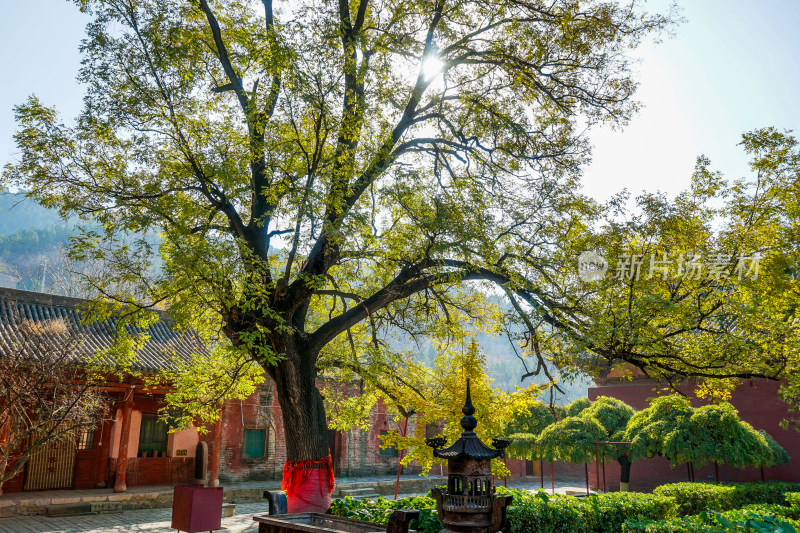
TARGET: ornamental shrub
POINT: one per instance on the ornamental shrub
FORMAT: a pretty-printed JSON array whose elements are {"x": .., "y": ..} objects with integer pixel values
[
  {"x": 380, "y": 509},
  {"x": 544, "y": 513},
  {"x": 759, "y": 517},
  {"x": 549, "y": 514},
  {"x": 693, "y": 498},
  {"x": 793, "y": 499},
  {"x": 613, "y": 509},
  {"x": 765, "y": 492},
  {"x": 673, "y": 508}
]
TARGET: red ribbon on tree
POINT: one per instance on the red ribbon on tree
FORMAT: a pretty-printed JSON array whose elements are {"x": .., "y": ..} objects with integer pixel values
[{"x": 297, "y": 473}]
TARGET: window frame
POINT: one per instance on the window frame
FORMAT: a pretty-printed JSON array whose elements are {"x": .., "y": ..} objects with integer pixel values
[
  {"x": 264, "y": 443},
  {"x": 152, "y": 445},
  {"x": 389, "y": 452}
]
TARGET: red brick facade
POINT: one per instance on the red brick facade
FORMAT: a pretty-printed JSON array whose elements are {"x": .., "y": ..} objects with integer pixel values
[{"x": 355, "y": 452}]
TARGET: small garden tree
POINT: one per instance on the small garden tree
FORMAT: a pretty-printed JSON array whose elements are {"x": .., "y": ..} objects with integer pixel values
[
  {"x": 524, "y": 429},
  {"x": 672, "y": 429},
  {"x": 717, "y": 434},
  {"x": 576, "y": 407},
  {"x": 656, "y": 430},
  {"x": 613, "y": 415},
  {"x": 573, "y": 439}
]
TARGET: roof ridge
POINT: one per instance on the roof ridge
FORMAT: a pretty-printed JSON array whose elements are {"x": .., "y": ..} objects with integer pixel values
[{"x": 57, "y": 300}]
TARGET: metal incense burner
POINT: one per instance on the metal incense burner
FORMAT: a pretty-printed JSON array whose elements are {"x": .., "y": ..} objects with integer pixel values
[{"x": 470, "y": 504}]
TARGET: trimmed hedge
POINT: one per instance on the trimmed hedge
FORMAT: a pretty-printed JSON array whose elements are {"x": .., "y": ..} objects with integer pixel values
[
  {"x": 773, "y": 518},
  {"x": 674, "y": 508},
  {"x": 544, "y": 513},
  {"x": 552, "y": 514},
  {"x": 530, "y": 512},
  {"x": 613, "y": 509},
  {"x": 693, "y": 498}
]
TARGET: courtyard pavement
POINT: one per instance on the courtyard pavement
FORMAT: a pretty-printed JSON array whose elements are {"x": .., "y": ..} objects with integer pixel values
[{"x": 158, "y": 520}]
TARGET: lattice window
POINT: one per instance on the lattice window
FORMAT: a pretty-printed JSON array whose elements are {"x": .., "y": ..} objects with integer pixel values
[{"x": 86, "y": 438}]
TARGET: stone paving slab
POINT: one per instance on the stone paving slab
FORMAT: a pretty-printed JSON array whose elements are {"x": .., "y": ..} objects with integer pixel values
[{"x": 149, "y": 520}]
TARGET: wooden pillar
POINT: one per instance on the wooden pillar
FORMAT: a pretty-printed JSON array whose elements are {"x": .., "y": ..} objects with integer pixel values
[
  {"x": 213, "y": 477},
  {"x": 121, "y": 485}
]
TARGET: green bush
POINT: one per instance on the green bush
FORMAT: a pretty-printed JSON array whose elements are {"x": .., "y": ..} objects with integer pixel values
[
  {"x": 548, "y": 514},
  {"x": 693, "y": 498},
  {"x": 773, "y": 492},
  {"x": 691, "y": 524},
  {"x": 543, "y": 513},
  {"x": 759, "y": 517},
  {"x": 673, "y": 508},
  {"x": 613, "y": 509},
  {"x": 793, "y": 499},
  {"x": 381, "y": 509},
  {"x": 769, "y": 509}
]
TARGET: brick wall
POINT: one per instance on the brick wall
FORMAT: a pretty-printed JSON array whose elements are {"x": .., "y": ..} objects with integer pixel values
[{"x": 356, "y": 452}]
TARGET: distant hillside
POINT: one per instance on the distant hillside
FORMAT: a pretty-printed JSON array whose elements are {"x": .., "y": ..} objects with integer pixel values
[{"x": 19, "y": 213}]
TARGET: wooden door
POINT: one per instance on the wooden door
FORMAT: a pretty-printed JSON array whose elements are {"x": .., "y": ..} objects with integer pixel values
[
  {"x": 87, "y": 466},
  {"x": 51, "y": 466}
]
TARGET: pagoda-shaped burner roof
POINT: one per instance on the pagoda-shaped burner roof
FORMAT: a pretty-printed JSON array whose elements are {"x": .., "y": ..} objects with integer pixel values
[{"x": 468, "y": 445}]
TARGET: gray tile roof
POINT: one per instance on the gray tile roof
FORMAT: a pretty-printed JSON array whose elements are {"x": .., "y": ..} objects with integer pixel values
[{"x": 164, "y": 344}]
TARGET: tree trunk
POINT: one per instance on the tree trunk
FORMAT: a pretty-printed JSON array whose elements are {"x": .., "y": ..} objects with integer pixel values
[
  {"x": 304, "y": 424},
  {"x": 625, "y": 472}
]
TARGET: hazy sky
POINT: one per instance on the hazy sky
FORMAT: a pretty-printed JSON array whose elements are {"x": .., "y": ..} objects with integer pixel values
[{"x": 732, "y": 67}]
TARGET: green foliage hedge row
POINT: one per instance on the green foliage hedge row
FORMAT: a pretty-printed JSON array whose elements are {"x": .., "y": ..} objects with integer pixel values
[
  {"x": 530, "y": 513},
  {"x": 761, "y": 517},
  {"x": 673, "y": 508},
  {"x": 540, "y": 513},
  {"x": 693, "y": 498}
]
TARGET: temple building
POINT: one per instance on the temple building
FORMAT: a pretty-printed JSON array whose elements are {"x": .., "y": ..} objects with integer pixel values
[{"x": 134, "y": 446}]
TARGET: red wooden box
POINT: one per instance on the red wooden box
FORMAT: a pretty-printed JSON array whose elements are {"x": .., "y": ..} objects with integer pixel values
[{"x": 196, "y": 508}]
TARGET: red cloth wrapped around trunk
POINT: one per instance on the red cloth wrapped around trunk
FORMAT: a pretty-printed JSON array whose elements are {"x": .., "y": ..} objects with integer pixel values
[{"x": 309, "y": 485}]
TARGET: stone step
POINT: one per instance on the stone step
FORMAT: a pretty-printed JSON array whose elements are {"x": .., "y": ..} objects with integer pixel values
[
  {"x": 359, "y": 485},
  {"x": 68, "y": 509},
  {"x": 359, "y": 494},
  {"x": 76, "y": 509}
]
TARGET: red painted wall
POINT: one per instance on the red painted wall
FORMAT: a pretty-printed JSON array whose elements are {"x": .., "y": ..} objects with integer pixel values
[{"x": 758, "y": 404}]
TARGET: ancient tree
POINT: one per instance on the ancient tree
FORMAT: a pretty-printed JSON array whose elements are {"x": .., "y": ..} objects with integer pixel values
[{"x": 324, "y": 172}]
